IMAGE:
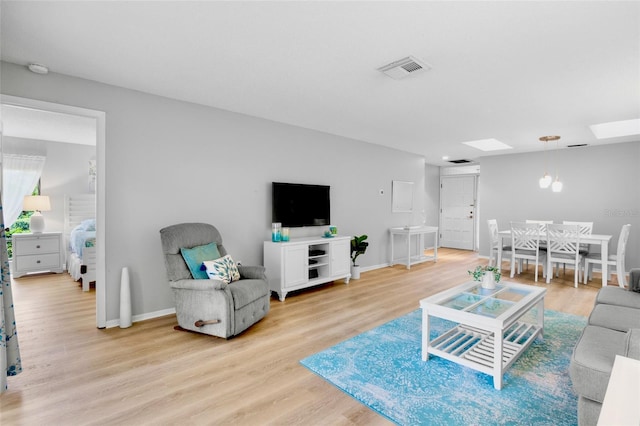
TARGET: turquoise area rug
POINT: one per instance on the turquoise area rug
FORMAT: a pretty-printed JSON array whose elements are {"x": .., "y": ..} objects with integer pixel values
[{"x": 383, "y": 369}]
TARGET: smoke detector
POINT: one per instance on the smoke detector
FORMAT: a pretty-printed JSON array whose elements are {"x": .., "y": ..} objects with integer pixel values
[{"x": 404, "y": 68}]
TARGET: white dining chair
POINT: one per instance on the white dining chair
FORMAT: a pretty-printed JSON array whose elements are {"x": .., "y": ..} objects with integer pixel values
[
  {"x": 542, "y": 223},
  {"x": 525, "y": 240},
  {"x": 616, "y": 259},
  {"x": 585, "y": 228},
  {"x": 543, "y": 228},
  {"x": 495, "y": 244},
  {"x": 563, "y": 246}
]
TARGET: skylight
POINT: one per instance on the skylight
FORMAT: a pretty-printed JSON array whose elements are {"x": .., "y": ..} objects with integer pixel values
[
  {"x": 488, "y": 145},
  {"x": 616, "y": 129}
]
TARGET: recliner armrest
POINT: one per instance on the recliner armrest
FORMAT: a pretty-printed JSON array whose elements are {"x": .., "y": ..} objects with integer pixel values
[
  {"x": 200, "y": 285},
  {"x": 252, "y": 272}
]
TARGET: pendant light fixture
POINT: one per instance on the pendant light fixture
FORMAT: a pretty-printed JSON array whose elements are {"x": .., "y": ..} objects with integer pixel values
[
  {"x": 546, "y": 179},
  {"x": 556, "y": 186}
]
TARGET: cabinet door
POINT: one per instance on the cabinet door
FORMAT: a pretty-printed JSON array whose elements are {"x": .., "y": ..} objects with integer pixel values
[
  {"x": 295, "y": 265},
  {"x": 340, "y": 257}
]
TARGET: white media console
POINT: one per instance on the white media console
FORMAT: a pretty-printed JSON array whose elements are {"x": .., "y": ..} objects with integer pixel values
[{"x": 306, "y": 262}]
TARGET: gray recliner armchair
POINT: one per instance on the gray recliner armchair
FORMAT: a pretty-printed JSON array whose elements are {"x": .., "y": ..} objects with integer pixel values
[{"x": 206, "y": 305}]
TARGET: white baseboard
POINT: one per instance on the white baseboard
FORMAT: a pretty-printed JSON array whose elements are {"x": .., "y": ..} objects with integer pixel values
[
  {"x": 374, "y": 267},
  {"x": 142, "y": 317}
]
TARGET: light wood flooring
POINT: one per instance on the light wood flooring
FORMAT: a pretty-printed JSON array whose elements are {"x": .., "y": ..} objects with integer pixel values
[{"x": 75, "y": 374}]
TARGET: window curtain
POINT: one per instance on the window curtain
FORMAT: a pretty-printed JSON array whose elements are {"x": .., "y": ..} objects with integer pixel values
[
  {"x": 10, "y": 363},
  {"x": 20, "y": 175}
]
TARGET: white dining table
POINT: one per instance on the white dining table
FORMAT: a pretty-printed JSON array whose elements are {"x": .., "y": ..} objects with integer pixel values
[{"x": 593, "y": 239}]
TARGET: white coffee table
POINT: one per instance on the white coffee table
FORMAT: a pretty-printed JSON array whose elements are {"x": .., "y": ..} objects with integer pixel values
[{"x": 480, "y": 315}]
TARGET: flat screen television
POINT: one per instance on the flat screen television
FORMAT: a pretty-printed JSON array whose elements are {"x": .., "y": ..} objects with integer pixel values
[{"x": 296, "y": 205}]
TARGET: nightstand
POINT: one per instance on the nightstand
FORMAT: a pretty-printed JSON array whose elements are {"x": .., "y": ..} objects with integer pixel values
[{"x": 37, "y": 253}]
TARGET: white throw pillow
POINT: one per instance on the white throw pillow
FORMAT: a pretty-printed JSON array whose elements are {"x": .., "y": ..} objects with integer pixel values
[{"x": 223, "y": 269}]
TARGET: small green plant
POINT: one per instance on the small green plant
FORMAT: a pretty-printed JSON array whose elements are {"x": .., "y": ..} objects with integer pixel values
[
  {"x": 480, "y": 270},
  {"x": 358, "y": 247}
]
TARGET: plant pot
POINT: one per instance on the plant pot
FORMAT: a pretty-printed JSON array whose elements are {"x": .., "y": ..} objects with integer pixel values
[
  {"x": 355, "y": 272},
  {"x": 488, "y": 280}
]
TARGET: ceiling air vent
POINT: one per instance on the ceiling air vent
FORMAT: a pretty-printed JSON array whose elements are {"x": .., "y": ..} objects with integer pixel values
[
  {"x": 404, "y": 67},
  {"x": 459, "y": 161},
  {"x": 576, "y": 145}
]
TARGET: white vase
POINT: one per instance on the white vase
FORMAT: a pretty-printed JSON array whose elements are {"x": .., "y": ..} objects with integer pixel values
[
  {"x": 488, "y": 280},
  {"x": 125, "y": 299}
]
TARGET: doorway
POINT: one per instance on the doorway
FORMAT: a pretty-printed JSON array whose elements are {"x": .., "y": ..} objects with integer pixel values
[{"x": 100, "y": 124}]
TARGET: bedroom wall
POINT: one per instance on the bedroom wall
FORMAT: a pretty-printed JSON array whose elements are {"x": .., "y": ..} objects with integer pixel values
[
  {"x": 169, "y": 161},
  {"x": 66, "y": 171},
  {"x": 600, "y": 185}
]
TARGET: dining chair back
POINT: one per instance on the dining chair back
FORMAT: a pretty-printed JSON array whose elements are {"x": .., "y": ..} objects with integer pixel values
[
  {"x": 495, "y": 244},
  {"x": 563, "y": 246},
  {"x": 525, "y": 240},
  {"x": 585, "y": 228},
  {"x": 542, "y": 223},
  {"x": 617, "y": 259},
  {"x": 543, "y": 228}
]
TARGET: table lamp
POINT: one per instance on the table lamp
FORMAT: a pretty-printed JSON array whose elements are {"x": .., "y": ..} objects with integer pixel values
[{"x": 36, "y": 204}]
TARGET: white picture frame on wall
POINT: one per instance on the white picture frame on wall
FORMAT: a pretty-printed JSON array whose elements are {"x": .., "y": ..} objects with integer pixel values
[{"x": 401, "y": 197}]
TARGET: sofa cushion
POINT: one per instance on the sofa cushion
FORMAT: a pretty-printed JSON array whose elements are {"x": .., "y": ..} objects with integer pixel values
[
  {"x": 618, "y": 318},
  {"x": 247, "y": 291},
  {"x": 588, "y": 411},
  {"x": 611, "y": 295},
  {"x": 592, "y": 360}
]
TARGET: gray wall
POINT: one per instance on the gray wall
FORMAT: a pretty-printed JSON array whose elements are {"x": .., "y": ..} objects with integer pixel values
[
  {"x": 600, "y": 185},
  {"x": 169, "y": 161}
]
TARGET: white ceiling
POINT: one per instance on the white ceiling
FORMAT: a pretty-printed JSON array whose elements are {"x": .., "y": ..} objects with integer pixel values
[{"x": 513, "y": 71}]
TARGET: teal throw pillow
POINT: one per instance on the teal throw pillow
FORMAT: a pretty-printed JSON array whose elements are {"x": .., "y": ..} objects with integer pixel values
[
  {"x": 223, "y": 269},
  {"x": 196, "y": 255}
]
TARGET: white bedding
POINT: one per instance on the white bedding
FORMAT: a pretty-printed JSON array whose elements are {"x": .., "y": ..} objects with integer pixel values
[
  {"x": 74, "y": 263},
  {"x": 81, "y": 237}
]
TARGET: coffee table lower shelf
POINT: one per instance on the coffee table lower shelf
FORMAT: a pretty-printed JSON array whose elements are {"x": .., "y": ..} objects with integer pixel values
[{"x": 475, "y": 348}]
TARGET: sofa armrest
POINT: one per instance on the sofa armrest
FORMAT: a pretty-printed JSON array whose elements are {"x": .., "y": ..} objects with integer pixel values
[
  {"x": 252, "y": 272},
  {"x": 632, "y": 343},
  {"x": 198, "y": 285}
]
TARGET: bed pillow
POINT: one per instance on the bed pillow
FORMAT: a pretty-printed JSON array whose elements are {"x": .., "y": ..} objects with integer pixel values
[
  {"x": 196, "y": 255},
  {"x": 223, "y": 269}
]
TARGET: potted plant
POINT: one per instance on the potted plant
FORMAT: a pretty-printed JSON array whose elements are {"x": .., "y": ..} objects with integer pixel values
[
  {"x": 488, "y": 276},
  {"x": 358, "y": 247}
]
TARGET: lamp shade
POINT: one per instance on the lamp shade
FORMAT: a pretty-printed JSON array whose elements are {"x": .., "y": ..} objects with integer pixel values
[{"x": 34, "y": 203}]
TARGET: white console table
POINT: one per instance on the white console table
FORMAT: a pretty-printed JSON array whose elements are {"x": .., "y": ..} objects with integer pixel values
[
  {"x": 418, "y": 232},
  {"x": 306, "y": 262}
]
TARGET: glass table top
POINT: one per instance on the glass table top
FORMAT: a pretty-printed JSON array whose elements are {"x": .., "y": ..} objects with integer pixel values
[{"x": 487, "y": 302}]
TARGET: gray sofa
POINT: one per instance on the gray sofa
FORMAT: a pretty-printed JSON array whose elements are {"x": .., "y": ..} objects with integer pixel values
[{"x": 613, "y": 329}]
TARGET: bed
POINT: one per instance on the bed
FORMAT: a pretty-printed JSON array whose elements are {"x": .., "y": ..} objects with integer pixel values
[{"x": 80, "y": 238}]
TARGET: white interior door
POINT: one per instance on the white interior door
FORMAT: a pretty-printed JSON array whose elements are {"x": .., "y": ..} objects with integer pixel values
[{"x": 458, "y": 211}]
